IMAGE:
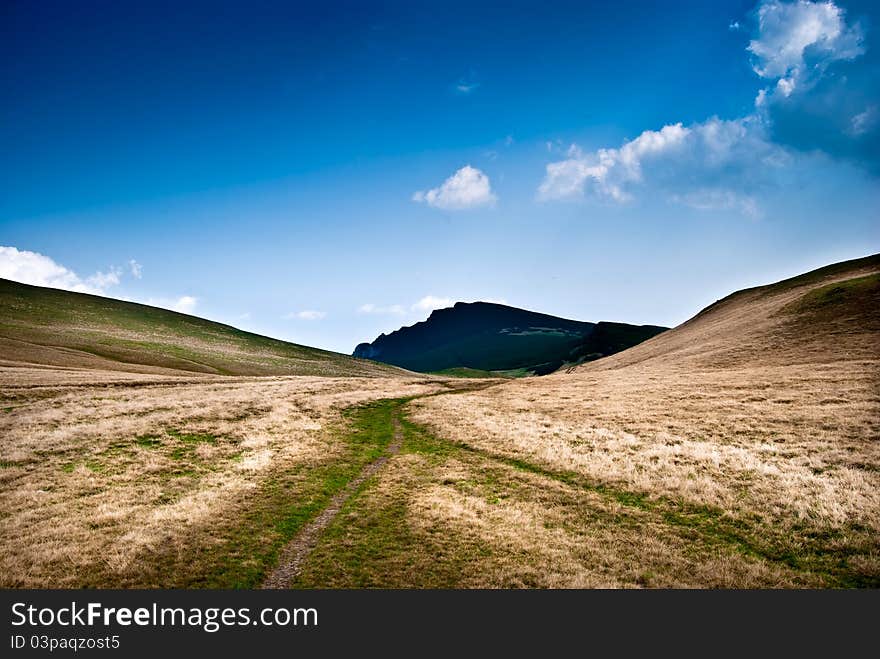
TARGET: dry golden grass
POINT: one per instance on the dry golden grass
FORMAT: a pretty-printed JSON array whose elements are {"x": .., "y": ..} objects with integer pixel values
[
  {"x": 763, "y": 407},
  {"x": 741, "y": 449},
  {"x": 443, "y": 515},
  {"x": 101, "y": 468},
  {"x": 794, "y": 446}
]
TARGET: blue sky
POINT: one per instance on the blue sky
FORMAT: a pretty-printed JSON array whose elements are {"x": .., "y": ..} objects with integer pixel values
[{"x": 325, "y": 175}]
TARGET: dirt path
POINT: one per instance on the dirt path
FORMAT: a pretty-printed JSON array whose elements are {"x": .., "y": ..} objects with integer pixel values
[{"x": 297, "y": 550}]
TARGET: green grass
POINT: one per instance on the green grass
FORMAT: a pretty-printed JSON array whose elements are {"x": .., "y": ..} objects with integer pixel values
[
  {"x": 838, "y": 295},
  {"x": 148, "y": 441},
  {"x": 238, "y": 552},
  {"x": 371, "y": 544},
  {"x": 464, "y": 372},
  {"x": 132, "y": 333},
  {"x": 811, "y": 277}
]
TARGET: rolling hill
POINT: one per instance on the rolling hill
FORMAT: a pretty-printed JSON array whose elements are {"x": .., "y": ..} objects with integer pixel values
[
  {"x": 51, "y": 327},
  {"x": 822, "y": 316},
  {"x": 745, "y": 439},
  {"x": 483, "y": 337}
]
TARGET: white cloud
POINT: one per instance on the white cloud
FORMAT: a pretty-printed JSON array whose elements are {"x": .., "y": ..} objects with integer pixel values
[
  {"x": 394, "y": 309},
  {"x": 608, "y": 170},
  {"x": 425, "y": 304},
  {"x": 40, "y": 270},
  {"x": 797, "y": 40},
  {"x": 786, "y": 86},
  {"x": 136, "y": 269},
  {"x": 103, "y": 280},
  {"x": 431, "y": 302},
  {"x": 724, "y": 164},
  {"x": 308, "y": 314},
  {"x": 467, "y": 84},
  {"x": 185, "y": 304},
  {"x": 708, "y": 199},
  {"x": 761, "y": 99},
  {"x": 681, "y": 162},
  {"x": 733, "y": 26},
  {"x": 864, "y": 121},
  {"x": 466, "y": 188}
]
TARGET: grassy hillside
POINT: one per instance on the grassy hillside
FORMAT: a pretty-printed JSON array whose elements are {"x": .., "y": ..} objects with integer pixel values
[
  {"x": 820, "y": 316},
  {"x": 739, "y": 449},
  {"x": 481, "y": 336},
  {"x": 47, "y": 326}
]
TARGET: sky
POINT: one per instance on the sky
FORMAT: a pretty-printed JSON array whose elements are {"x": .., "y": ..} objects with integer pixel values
[{"x": 325, "y": 174}]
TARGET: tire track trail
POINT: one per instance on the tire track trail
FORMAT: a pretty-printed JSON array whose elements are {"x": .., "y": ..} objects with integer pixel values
[{"x": 295, "y": 553}]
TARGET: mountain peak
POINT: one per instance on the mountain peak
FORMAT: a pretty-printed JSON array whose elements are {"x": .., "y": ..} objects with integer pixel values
[{"x": 488, "y": 336}]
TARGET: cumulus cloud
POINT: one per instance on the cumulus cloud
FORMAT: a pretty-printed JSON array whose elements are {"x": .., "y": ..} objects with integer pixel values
[
  {"x": 723, "y": 164},
  {"x": 795, "y": 39},
  {"x": 466, "y": 188},
  {"x": 431, "y": 302},
  {"x": 716, "y": 153},
  {"x": 307, "y": 314},
  {"x": 609, "y": 170},
  {"x": 822, "y": 80},
  {"x": 40, "y": 270},
  {"x": 795, "y": 44}
]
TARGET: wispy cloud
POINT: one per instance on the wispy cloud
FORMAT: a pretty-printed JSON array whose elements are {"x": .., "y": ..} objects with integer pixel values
[
  {"x": 431, "y": 302},
  {"x": 307, "y": 314},
  {"x": 467, "y": 84},
  {"x": 182, "y": 304},
  {"x": 136, "y": 269},
  {"x": 185, "y": 304},
  {"x": 393, "y": 309},
  {"x": 720, "y": 199},
  {"x": 424, "y": 304},
  {"x": 467, "y": 188},
  {"x": 864, "y": 122}
]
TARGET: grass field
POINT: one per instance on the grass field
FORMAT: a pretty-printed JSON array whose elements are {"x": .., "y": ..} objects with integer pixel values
[
  {"x": 156, "y": 481},
  {"x": 53, "y": 327},
  {"x": 741, "y": 449}
]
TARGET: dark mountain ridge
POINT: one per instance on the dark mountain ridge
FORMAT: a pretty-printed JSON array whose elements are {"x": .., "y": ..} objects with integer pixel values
[{"x": 496, "y": 337}]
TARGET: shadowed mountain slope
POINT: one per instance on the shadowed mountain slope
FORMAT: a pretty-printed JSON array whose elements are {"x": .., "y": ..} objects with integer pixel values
[{"x": 489, "y": 337}]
